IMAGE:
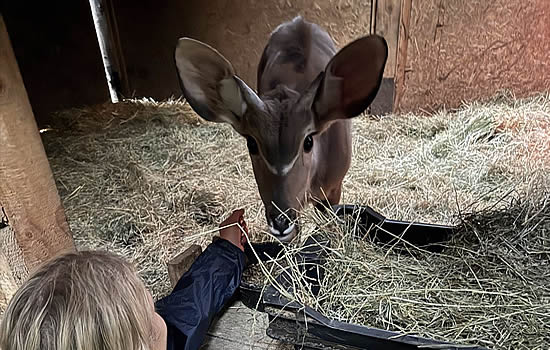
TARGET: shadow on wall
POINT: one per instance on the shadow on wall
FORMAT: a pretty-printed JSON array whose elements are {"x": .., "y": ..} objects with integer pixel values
[
  {"x": 238, "y": 29},
  {"x": 58, "y": 54}
]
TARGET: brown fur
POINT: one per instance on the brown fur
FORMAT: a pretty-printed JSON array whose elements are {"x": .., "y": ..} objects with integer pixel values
[{"x": 306, "y": 91}]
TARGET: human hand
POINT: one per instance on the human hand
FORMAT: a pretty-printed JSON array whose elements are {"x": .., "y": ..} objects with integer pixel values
[{"x": 233, "y": 233}]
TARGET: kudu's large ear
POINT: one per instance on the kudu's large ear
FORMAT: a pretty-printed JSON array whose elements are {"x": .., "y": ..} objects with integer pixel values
[
  {"x": 210, "y": 85},
  {"x": 351, "y": 80}
]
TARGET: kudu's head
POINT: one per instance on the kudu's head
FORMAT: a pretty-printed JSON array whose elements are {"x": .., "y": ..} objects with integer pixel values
[{"x": 283, "y": 126}]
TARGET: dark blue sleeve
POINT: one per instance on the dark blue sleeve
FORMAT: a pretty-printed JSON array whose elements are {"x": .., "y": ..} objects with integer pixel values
[{"x": 200, "y": 294}]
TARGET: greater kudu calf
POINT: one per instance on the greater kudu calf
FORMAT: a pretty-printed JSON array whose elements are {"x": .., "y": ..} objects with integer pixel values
[{"x": 297, "y": 127}]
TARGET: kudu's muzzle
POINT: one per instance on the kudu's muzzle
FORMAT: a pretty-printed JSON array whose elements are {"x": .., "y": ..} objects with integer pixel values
[{"x": 282, "y": 225}]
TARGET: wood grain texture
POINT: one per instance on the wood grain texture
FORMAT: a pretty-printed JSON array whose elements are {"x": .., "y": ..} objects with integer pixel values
[
  {"x": 240, "y": 328},
  {"x": 27, "y": 189},
  {"x": 237, "y": 29},
  {"x": 387, "y": 25},
  {"x": 181, "y": 263},
  {"x": 13, "y": 270},
  {"x": 469, "y": 50},
  {"x": 402, "y": 49}
]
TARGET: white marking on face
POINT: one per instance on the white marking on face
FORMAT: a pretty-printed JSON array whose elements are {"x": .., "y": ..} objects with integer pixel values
[
  {"x": 284, "y": 169},
  {"x": 289, "y": 229},
  {"x": 274, "y": 231},
  {"x": 286, "y": 232},
  {"x": 271, "y": 168}
]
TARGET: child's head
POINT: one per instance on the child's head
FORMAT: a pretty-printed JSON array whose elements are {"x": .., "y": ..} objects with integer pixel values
[{"x": 82, "y": 300}]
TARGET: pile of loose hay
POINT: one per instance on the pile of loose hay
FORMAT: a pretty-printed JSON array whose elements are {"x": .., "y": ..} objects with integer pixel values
[
  {"x": 148, "y": 179},
  {"x": 488, "y": 287},
  {"x": 490, "y": 284}
]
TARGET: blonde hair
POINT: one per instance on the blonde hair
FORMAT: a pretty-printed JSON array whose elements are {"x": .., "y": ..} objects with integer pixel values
[{"x": 82, "y": 301}]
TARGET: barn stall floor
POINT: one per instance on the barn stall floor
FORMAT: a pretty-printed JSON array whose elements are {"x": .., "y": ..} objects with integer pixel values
[
  {"x": 241, "y": 328},
  {"x": 147, "y": 179}
]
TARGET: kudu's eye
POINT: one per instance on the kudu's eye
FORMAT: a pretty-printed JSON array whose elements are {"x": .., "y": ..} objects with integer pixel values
[
  {"x": 252, "y": 145},
  {"x": 308, "y": 143}
]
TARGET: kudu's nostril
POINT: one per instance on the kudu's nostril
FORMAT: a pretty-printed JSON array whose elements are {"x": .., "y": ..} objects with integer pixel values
[{"x": 282, "y": 224}]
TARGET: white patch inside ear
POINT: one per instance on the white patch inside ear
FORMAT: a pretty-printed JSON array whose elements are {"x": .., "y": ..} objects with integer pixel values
[
  {"x": 232, "y": 96},
  {"x": 191, "y": 84}
]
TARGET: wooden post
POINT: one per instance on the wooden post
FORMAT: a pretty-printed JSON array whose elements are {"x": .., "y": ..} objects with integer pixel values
[
  {"x": 34, "y": 227},
  {"x": 402, "y": 47},
  {"x": 387, "y": 25},
  {"x": 385, "y": 22},
  {"x": 182, "y": 262},
  {"x": 390, "y": 19},
  {"x": 107, "y": 37}
]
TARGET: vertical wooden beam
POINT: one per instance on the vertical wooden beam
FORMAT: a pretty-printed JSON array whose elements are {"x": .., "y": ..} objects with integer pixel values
[
  {"x": 385, "y": 22},
  {"x": 390, "y": 19},
  {"x": 108, "y": 45},
  {"x": 387, "y": 25},
  {"x": 34, "y": 226},
  {"x": 402, "y": 48}
]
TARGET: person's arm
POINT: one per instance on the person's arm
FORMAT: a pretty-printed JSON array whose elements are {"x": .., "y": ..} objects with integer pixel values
[{"x": 203, "y": 290}]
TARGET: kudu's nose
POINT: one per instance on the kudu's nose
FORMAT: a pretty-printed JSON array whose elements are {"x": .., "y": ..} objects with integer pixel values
[{"x": 282, "y": 225}]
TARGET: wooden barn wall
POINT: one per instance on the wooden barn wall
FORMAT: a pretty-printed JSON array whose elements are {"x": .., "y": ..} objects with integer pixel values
[
  {"x": 58, "y": 54},
  {"x": 238, "y": 29},
  {"x": 457, "y": 49},
  {"x": 470, "y": 49}
]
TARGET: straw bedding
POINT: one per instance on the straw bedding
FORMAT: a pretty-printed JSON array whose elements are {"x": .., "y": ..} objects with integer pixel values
[
  {"x": 147, "y": 179},
  {"x": 489, "y": 286}
]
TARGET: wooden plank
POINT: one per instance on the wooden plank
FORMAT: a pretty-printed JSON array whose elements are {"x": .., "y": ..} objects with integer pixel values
[
  {"x": 237, "y": 327},
  {"x": 385, "y": 22},
  {"x": 34, "y": 216},
  {"x": 387, "y": 25},
  {"x": 240, "y": 328},
  {"x": 402, "y": 49},
  {"x": 182, "y": 262}
]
